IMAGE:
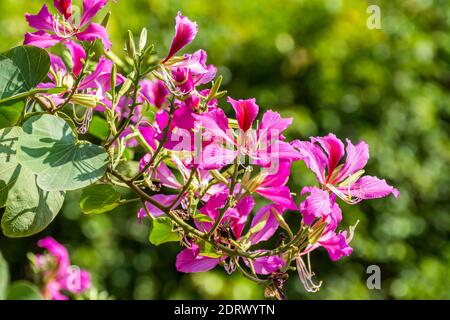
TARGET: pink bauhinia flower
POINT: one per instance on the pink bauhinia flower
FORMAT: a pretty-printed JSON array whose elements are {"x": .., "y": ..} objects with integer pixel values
[
  {"x": 61, "y": 276},
  {"x": 94, "y": 84},
  {"x": 323, "y": 154},
  {"x": 53, "y": 30},
  {"x": 263, "y": 146}
]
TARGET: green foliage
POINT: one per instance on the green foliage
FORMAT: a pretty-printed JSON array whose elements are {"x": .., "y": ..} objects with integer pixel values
[
  {"x": 162, "y": 231},
  {"x": 50, "y": 149},
  {"x": 99, "y": 198},
  {"x": 10, "y": 112},
  {"x": 23, "y": 68},
  {"x": 29, "y": 209},
  {"x": 23, "y": 290}
]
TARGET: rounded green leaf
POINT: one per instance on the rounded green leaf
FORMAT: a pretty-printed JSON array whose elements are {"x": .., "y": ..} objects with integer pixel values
[
  {"x": 23, "y": 290},
  {"x": 22, "y": 69},
  {"x": 4, "y": 277},
  {"x": 99, "y": 198},
  {"x": 10, "y": 112},
  {"x": 50, "y": 149},
  {"x": 29, "y": 209},
  {"x": 162, "y": 231}
]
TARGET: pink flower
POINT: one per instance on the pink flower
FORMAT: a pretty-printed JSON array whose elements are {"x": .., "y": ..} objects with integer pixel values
[
  {"x": 263, "y": 146},
  {"x": 323, "y": 154},
  {"x": 64, "y": 277},
  {"x": 185, "y": 32},
  {"x": 95, "y": 84},
  {"x": 51, "y": 31}
]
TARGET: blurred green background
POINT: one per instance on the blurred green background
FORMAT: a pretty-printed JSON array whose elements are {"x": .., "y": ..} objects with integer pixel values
[{"x": 315, "y": 61}]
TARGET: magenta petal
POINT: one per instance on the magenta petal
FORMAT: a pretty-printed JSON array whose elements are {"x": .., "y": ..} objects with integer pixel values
[
  {"x": 58, "y": 251},
  {"x": 265, "y": 215},
  {"x": 337, "y": 245},
  {"x": 216, "y": 124},
  {"x": 368, "y": 187},
  {"x": 268, "y": 265},
  {"x": 357, "y": 157},
  {"x": 57, "y": 64},
  {"x": 316, "y": 205},
  {"x": 279, "y": 177},
  {"x": 78, "y": 55},
  {"x": 188, "y": 260},
  {"x": 91, "y": 81},
  {"x": 313, "y": 157},
  {"x": 185, "y": 32},
  {"x": 216, "y": 157},
  {"x": 64, "y": 7},
  {"x": 90, "y": 9},
  {"x": 334, "y": 149},
  {"x": 279, "y": 195},
  {"x": 272, "y": 124},
  {"x": 41, "y": 39},
  {"x": 42, "y": 21},
  {"x": 243, "y": 209},
  {"x": 246, "y": 112},
  {"x": 95, "y": 31}
]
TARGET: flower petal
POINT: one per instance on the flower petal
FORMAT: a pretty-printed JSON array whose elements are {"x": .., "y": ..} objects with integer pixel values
[
  {"x": 41, "y": 39},
  {"x": 188, "y": 260},
  {"x": 265, "y": 216},
  {"x": 90, "y": 9},
  {"x": 279, "y": 195},
  {"x": 64, "y": 7},
  {"x": 246, "y": 112},
  {"x": 313, "y": 157},
  {"x": 95, "y": 31},
  {"x": 268, "y": 264},
  {"x": 316, "y": 205},
  {"x": 368, "y": 187},
  {"x": 357, "y": 157},
  {"x": 334, "y": 149},
  {"x": 78, "y": 55},
  {"x": 42, "y": 21},
  {"x": 185, "y": 32}
]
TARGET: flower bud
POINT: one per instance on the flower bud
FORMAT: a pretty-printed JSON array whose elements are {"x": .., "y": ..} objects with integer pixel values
[
  {"x": 143, "y": 39},
  {"x": 85, "y": 100},
  {"x": 131, "y": 47}
]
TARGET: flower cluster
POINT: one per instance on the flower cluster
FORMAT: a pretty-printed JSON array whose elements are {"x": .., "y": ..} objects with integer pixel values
[
  {"x": 58, "y": 276},
  {"x": 200, "y": 170}
]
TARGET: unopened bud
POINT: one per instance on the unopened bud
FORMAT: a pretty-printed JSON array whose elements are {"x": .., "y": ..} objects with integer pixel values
[
  {"x": 131, "y": 47},
  {"x": 85, "y": 100},
  {"x": 143, "y": 40}
]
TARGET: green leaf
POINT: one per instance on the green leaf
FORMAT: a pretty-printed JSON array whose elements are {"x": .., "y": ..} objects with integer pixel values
[
  {"x": 23, "y": 290},
  {"x": 99, "y": 198},
  {"x": 99, "y": 127},
  {"x": 22, "y": 69},
  {"x": 4, "y": 277},
  {"x": 10, "y": 113},
  {"x": 162, "y": 231},
  {"x": 29, "y": 209},
  {"x": 50, "y": 149},
  {"x": 202, "y": 217}
]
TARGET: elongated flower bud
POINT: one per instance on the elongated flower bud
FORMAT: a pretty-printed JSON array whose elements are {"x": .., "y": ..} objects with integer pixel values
[
  {"x": 85, "y": 100},
  {"x": 131, "y": 47}
]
